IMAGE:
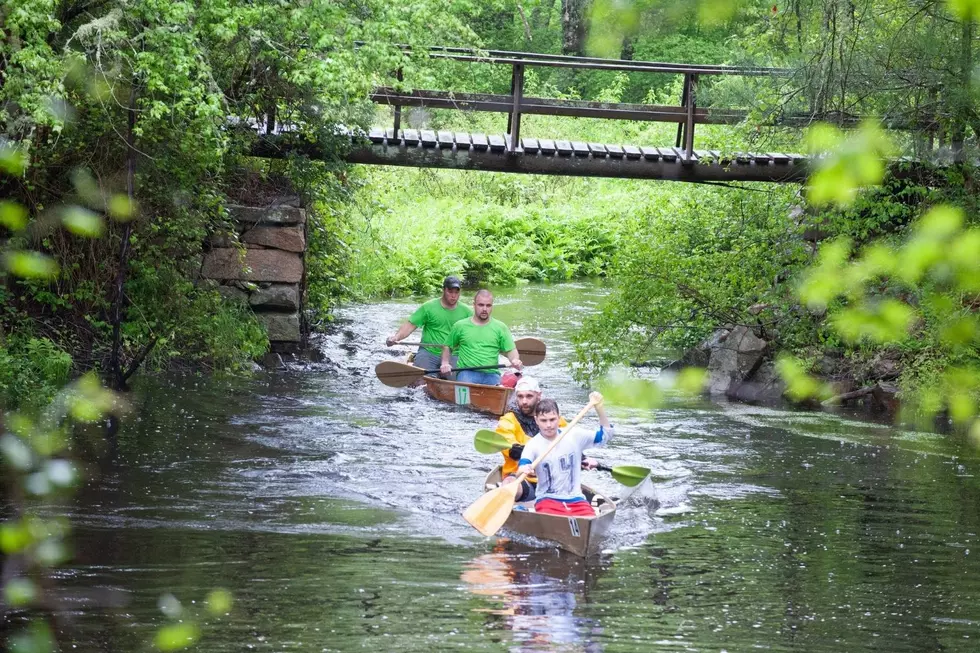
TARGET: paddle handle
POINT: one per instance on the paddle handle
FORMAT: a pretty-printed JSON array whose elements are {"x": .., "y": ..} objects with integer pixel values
[
  {"x": 467, "y": 369},
  {"x": 554, "y": 443},
  {"x": 420, "y": 344}
]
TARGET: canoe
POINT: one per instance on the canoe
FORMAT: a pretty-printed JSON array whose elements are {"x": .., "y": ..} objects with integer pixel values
[
  {"x": 581, "y": 536},
  {"x": 486, "y": 398}
]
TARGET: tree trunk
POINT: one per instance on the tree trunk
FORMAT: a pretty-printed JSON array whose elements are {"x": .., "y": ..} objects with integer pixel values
[
  {"x": 961, "y": 108},
  {"x": 573, "y": 26}
]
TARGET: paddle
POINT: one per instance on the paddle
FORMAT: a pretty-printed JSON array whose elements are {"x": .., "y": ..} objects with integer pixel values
[
  {"x": 628, "y": 475},
  {"x": 399, "y": 375},
  {"x": 487, "y": 441},
  {"x": 488, "y": 513},
  {"x": 531, "y": 350}
]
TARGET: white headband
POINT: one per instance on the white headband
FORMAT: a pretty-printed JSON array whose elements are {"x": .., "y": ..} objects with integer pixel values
[{"x": 527, "y": 384}]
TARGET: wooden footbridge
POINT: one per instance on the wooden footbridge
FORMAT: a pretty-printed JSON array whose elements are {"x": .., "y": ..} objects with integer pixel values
[{"x": 513, "y": 152}]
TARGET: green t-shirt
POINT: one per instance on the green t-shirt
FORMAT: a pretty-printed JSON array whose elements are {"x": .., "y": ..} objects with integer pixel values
[
  {"x": 436, "y": 321},
  {"x": 480, "y": 345}
]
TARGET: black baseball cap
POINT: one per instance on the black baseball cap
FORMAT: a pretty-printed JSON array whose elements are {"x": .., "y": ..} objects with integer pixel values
[{"x": 452, "y": 281}]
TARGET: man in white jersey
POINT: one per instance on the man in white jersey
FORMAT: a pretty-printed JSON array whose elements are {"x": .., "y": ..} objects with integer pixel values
[{"x": 559, "y": 490}]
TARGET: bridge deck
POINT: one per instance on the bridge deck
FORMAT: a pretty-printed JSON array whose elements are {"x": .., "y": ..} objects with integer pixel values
[{"x": 445, "y": 149}]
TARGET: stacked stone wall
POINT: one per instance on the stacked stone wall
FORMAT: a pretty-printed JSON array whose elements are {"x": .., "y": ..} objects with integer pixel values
[{"x": 261, "y": 263}]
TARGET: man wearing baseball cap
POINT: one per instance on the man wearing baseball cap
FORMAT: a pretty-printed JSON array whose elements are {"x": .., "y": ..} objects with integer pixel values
[{"x": 436, "y": 317}]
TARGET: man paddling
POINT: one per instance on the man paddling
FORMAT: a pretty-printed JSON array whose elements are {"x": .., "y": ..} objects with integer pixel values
[
  {"x": 518, "y": 427},
  {"x": 559, "y": 490},
  {"x": 478, "y": 341},
  {"x": 436, "y": 317}
]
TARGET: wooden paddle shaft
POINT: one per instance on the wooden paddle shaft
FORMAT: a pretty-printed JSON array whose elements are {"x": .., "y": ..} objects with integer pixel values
[
  {"x": 554, "y": 443},
  {"x": 420, "y": 344}
]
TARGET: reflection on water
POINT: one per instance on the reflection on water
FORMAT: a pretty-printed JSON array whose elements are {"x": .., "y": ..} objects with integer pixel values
[
  {"x": 329, "y": 505},
  {"x": 538, "y": 595}
]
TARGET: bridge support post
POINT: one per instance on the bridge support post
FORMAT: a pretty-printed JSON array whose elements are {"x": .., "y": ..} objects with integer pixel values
[
  {"x": 691, "y": 86},
  {"x": 514, "y": 119},
  {"x": 398, "y": 107}
]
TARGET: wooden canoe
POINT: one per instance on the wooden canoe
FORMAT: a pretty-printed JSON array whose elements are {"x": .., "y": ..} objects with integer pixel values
[
  {"x": 486, "y": 398},
  {"x": 581, "y": 536}
]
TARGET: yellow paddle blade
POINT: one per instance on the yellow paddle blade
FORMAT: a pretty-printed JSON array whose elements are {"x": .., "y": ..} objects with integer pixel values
[{"x": 488, "y": 513}]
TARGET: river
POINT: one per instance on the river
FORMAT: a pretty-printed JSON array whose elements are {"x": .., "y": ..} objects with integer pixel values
[{"x": 329, "y": 506}]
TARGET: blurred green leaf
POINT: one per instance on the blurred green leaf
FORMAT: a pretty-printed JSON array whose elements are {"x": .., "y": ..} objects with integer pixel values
[
  {"x": 170, "y": 605},
  {"x": 60, "y": 472},
  {"x": 51, "y": 552},
  {"x": 19, "y": 592},
  {"x": 30, "y": 265},
  {"x": 965, "y": 9},
  {"x": 87, "y": 188},
  {"x": 82, "y": 222},
  {"x": 14, "y": 538},
  {"x": 120, "y": 208},
  {"x": 16, "y": 452},
  {"x": 800, "y": 386},
  {"x": 37, "y": 639},
  {"x": 631, "y": 392},
  {"x": 219, "y": 602},
  {"x": 13, "y": 216},
  {"x": 174, "y": 637},
  {"x": 690, "y": 381},
  {"x": 12, "y": 160}
]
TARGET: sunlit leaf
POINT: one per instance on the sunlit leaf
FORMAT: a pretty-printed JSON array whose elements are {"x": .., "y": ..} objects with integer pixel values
[
  {"x": 30, "y": 265},
  {"x": 14, "y": 538},
  {"x": 19, "y": 592},
  {"x": 13, "y": 216},
  {"x": 690, "y": 381},
  {"x": 82, "y": 222},
  {"x": 800, "y": 386},
  {"x": 120, "y": 208},
  {"x": 632, "y": 392},
  {"x": 12, "y": 160},
  {"x": 87, "y": 188},
  {"x": 174, "y": 637},
  {"x": 716, "y": 12},
  {"x": 219, "y": 602},
  {"x": 965, "y": 9}
]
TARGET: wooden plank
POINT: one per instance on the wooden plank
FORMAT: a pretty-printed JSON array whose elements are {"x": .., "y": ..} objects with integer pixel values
[
  {"x": 411, "y": 136},
  {"x": 497, "y": 142},
  {"x": 615, "y": 151},
  {"x": 650, "y": 153},
  {"x": 597, "y": 149},
  {"x": 480, "y": 142},
  {"x": 682, "y": 155},
  {"x": 704, "y": 155},
  {"x": 563, "y": 147},
  {"x": 761, "y": 159},
  {"x": 376, "y": 135},
  {"x": 445, "y": 139},
  {"x": 393, "y": 136},
  {"x": 580, "y": 148},
  {"x": 742, "y": 158},
  {"x": 632, "y": 152},
  {"x": 462, "y": 140},
  {"x": 779, "y": 157},
  {"x": 667, "y": 154},
  {"x": 530, "y": 145},
  {"x": 428, "y": 138},
  {"x": 547, "y": 146},
  {"x": 798, "y": 159}
]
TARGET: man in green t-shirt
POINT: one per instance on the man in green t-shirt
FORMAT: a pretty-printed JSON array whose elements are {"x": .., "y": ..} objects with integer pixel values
[
  {"x": 478, "y": 341},
  {"x": 436, "y": 317}
]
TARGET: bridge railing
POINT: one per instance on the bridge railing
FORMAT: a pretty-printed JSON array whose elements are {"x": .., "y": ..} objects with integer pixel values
[{"x": 516, "y": 104}]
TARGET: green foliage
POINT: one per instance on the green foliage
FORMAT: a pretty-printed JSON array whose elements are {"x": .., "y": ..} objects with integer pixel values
[
  {"x": 31, "y": 370},
  {"x": 693, "y": 263},
  {"x": 492, "y": 229}
]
